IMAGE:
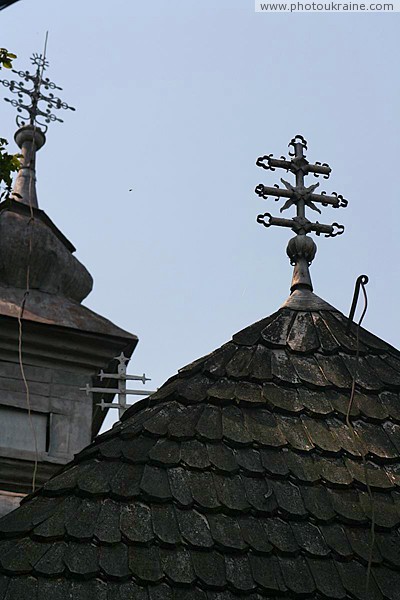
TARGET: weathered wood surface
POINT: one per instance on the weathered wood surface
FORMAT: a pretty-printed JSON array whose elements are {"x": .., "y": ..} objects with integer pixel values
[{"x": 239, "y": 478}]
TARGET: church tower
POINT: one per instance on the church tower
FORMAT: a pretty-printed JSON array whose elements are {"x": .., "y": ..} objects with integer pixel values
[{"x": 50, "y": 344}]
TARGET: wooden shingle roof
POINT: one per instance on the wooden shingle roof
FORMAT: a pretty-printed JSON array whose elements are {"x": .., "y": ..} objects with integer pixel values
[{"x": 239, "y": 478}]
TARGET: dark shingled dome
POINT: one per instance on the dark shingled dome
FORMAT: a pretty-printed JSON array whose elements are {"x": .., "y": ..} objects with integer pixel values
[{"x": 238, "y": 478}]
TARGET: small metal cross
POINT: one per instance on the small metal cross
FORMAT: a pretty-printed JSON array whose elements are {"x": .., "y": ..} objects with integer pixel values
[
  {"x": 29, "y": 99},
  {"x": 301, "y": 250},
  {"x": 122, "y": 377}
]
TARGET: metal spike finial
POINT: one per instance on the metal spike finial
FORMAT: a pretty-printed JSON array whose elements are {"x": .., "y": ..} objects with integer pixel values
[
  {"x": 35, "y": 103},
  {"x": 300, "y": 249}
]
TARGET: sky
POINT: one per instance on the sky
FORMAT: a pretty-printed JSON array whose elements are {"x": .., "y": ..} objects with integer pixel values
[{"x": 175, "y": 100}]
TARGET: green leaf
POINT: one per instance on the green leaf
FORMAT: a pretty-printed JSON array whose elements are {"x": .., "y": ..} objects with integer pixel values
[
  {"x": 9, "y": 163},
  {"x": 6, "y": 58}
]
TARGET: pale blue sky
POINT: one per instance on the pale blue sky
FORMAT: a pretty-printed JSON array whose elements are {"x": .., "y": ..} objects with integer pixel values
[{"x": 176, "y": 99}]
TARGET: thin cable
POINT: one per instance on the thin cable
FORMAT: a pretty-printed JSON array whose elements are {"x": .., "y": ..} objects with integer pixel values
[
  {"x": 27, "y": 288},
  {"x": 21, "y": 365},
  {"x": 358, "y": 443}
]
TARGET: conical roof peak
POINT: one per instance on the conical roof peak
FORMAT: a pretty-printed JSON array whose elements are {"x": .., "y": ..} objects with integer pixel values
[
  {"x": 239, "y": 474},
  {"x": 305, "y": 299}
]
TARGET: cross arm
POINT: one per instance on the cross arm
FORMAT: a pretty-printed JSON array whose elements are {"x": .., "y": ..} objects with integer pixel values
[
  {"x": 54, "y": 101},
  {"x": 15, "y": 87},
  {"x": 104, "y": 405},
  {"x": 270, "y": 163},
  {"x": 335, "y": 200},
  {"x": 26, "y": 75},
  {"x": 319, "y": 169},
  {"x": 101, "y": 390},
  {"x": 299, "y": 224},
  {"x": 264, "y": 191},
  {"x": 124, "y": 376}
]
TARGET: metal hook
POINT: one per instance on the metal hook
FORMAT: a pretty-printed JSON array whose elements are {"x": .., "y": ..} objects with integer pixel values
[{"x": 362, "y": 280}]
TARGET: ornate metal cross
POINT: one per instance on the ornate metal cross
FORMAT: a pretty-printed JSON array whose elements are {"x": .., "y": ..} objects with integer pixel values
[
  {"x": 122, "y": 377},
  {"x": 36, "y": 108},
  {"x": 29, "y": 98},
  {"x": 301, "y": 249}
]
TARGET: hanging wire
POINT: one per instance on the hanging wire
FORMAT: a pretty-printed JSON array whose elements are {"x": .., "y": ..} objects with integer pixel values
[
  {"x": 27, "y": 290},
  {"x": 361, "y": 283}
]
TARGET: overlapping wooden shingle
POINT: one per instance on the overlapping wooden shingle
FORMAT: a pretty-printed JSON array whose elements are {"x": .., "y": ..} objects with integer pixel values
[{"x": 248, "y": 475}]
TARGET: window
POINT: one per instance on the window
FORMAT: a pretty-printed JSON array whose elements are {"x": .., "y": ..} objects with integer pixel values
[{"x": 16, "y": 429}]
